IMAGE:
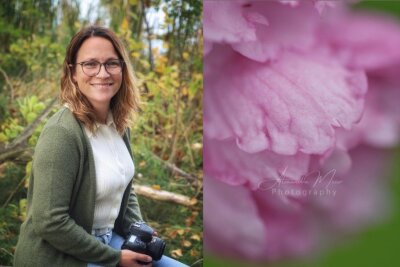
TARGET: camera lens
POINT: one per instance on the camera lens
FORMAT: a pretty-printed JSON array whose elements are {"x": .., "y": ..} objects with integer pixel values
[{"x": 156, "y": 248}]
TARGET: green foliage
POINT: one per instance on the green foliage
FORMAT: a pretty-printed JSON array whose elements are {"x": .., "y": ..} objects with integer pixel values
[
  {"x": 30, "y": 107},
  {"x": 28, "y": 110},
  {"x": 3, "y": 107},
  {"x": 41, "y": 55},
  {"x": 9, "y": 228},
  {"x": 20, "y": 20},
  {"x": 385, "y": 7},
  {"x": 10, "y": 176},
  {"x": 10, "y": 129}
]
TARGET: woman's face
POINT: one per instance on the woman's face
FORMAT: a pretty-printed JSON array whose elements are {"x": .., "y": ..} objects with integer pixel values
[{"x": 101, "y": 88}]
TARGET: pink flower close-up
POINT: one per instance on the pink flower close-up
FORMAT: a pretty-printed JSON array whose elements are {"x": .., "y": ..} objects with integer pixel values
[{"x": 300, "y": 108}]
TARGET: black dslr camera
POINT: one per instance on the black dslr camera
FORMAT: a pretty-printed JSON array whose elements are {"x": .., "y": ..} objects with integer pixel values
[{"x": 141, "y": 240}]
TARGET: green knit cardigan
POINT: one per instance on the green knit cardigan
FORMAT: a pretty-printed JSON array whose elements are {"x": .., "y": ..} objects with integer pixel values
[{"x": 61, "y": 200}]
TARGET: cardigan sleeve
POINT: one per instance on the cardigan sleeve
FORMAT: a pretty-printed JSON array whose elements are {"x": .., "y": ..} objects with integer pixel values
[{"x": 56, "y": 166}]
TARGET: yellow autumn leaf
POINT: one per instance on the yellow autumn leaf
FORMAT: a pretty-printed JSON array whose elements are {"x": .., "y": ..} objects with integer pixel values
[
  {"x": 197, "y": 76},
  {"x": 180, "y": 231},
  {"x": 125, "y": 24},
  {"x": 195, "y": 237},
  {"x": 184, "y": 91},
  {"x": 185, "y": 55},
  {"x": 77, "y": 25},
  {"x": 175, "y": 83},
  {"x": 197, "y": 146},
  {"x": 193, "y": 201},
  {"x": 194, "y": 253},
  {"x": 160, "y": 68},
  {"x": 172, "y": 234},
  {"x": 156, "y": 186},
  {"x": 135, "y": 54},
  {"x": 176, "y": 253},
  {"x": 174, "y": 75},
  {"x": 186, "y": 243}
]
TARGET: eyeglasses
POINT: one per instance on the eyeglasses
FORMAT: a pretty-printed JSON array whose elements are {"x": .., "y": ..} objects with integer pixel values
[{"x": 92, "y": 68}]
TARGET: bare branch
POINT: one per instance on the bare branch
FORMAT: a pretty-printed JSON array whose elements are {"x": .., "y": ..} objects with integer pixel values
[
  {"x": 8, "y": 253},
  {"x": 13, "y": 192},
  {"x": 11, "y": 153},
  {"x": 175, "y": 169}
]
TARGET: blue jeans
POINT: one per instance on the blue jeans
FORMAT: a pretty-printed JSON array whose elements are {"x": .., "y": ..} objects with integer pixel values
[{"x": 114, "y": 240}]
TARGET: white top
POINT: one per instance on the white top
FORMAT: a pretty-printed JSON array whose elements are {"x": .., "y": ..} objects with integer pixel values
[{"x": 114, "y": 170}]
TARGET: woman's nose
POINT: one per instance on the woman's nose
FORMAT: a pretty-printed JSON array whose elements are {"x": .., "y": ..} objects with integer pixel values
[{"x": 103, "y": 72}]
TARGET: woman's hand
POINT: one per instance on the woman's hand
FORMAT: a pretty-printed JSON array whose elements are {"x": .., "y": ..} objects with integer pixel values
[{"x": 129, "y": 259}]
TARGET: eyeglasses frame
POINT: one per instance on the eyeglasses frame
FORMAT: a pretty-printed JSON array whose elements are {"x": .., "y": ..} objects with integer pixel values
[{"x": 101, "y": 64}]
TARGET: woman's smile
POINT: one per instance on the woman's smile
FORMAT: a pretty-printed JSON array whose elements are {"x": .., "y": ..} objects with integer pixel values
[{"x": 102, "y": 85}]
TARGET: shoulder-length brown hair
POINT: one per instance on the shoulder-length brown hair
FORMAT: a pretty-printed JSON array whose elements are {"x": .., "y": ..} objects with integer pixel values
[{"x": 124, "y": 105}]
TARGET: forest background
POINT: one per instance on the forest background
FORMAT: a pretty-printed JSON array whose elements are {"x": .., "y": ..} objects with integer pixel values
[{"x": 164, "y": 41}]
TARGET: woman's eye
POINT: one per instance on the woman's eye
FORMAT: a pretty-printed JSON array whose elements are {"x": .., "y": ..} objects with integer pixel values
[
  {"x": 113, "y": 64},
  {"x": 91, "y": 64}
]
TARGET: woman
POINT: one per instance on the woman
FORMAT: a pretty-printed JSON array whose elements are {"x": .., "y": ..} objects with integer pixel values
[{"x": 80, "y": 202}]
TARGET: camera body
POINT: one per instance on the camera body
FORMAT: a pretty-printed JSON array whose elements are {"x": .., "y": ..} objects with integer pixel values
[{"x": 141, "y": 240}]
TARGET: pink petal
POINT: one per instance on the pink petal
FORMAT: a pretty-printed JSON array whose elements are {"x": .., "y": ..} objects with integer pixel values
[
  {"x": 363, "y": 40},
  {"x": 296, "y": 31},
  {"x": 233, "y": 213},
  {"x": 322, "y": 5},
  {"x": 223, "y": 160},
  {"x": 380, "y": 124},
  {"x": 273, "y": 230},
  {"x": 362, "y": 197},
  {"x": 232, "y": 225},
  {"x": 289, "y": 106},
  {"x": 224, "y": 21},
  {"x": 292, "y": 3},
  {"x": 290, "y": 233}
]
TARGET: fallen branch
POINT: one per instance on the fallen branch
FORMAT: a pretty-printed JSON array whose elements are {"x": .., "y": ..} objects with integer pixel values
[{"x": 162, "y": 195}]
